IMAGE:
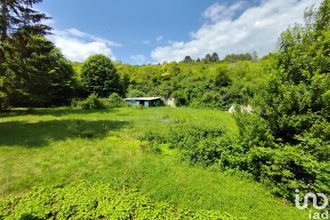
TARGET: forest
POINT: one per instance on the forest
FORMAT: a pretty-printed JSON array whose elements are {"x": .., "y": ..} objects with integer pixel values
[{"x": 67, "y": 123}]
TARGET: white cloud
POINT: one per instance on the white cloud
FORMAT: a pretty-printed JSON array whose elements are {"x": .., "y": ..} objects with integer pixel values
[
  {"x": 217, "y": 11},
  {"x": 159, "y": 38},
  {"x": 78, "y": 46},
  {"x": 138, "y": 58},
  {"x": 255, "y": 29}
]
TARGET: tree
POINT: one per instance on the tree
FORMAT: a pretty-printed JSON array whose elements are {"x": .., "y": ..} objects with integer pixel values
[
  {"x": 19, "y": 15},
  {"x": 38, "y": 75},
  {"x": 207, "y": 59},
  {"x": 232, "y": 58},
  {"x": 100, "y": 76},
  {"x": 16, "y": 14},
  {"x": 287, "y": 139},
  {"x": 20, "y": 27},
  {"x": 215, "y": 58},
  {"x": 187, "y": 59},
  {"x": 298, "y": 93},
  {"x": 62, "y": 85},
  {"x": 124, "y": 83}
]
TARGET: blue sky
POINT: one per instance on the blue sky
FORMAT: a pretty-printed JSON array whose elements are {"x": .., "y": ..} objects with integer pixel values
[{"x": 150, "y": 31}]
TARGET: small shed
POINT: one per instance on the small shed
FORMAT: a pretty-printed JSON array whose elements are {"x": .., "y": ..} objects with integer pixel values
[{"x": 144, "y": 101}]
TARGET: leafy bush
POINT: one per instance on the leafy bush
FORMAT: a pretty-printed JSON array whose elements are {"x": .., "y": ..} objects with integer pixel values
[
  {"x": 95, "y": 201},
  {"x": 92, "y": 102},
  {"x": 284, "y": 166},
  {"x": 115, "y": 100},
  {"x": 206, "y": 146},
  {"x": 153, "y": 136},
  {"x": 287, "y": 169}
]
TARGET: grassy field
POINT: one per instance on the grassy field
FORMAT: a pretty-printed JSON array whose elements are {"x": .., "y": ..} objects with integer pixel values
[{"x": 50, "y": 146}]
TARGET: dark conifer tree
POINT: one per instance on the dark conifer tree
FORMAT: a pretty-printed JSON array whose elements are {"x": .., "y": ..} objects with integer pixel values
[
  {"x": 187, "y": 59},
  {"x": 24, "y": 52},
  {"x": 215, "y": 58}
]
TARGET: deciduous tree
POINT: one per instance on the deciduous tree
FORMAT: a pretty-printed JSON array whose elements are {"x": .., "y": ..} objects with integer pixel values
[{"x": 99, "y": 76}]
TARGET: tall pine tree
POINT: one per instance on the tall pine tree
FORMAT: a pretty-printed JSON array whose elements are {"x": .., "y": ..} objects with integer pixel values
[{"x": 28, "y": 61}]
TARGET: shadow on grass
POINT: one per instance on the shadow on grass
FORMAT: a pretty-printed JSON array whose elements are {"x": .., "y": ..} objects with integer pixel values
[
  {"x": 52, "y": 112},
  {"x": 41, "y": 133}
]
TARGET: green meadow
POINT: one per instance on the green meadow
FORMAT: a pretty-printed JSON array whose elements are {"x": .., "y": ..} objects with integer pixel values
[{"x": 63, "y": 146}]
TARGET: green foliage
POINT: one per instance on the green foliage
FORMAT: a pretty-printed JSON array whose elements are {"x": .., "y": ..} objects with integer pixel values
[
  {"x": 206, "y": 145},
  {"x": 232, "y": 58},
  {"x": 21, "y": 15},
  {"x": 286, "y": 169},
  {"x": 36, "y": 73},
  {"x": 62, "y": 85},
  {"x": 222, "y": 78},
  {"x": 33, "y": 72},
  {"x": 115, "y": 100},
  {"x": 282, "y": 168},
  {"x": 99, "y": 76},
  {"x": 152, "y": 141},
  {"x": 254, "y": 131},
  {"x": 3, "y": 102},
  {"x": 196, "y": 84},
  {"x": 133, "y": 93},
  {"x": 287, "y": 142},
  {"x": 92, "y": 102},
  {"x": 95, "y": 201},
  {"x": 214, "y": 58}
]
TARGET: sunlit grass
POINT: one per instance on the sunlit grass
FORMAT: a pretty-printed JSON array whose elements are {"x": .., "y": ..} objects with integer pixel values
[{"x": 50, "y": 146}]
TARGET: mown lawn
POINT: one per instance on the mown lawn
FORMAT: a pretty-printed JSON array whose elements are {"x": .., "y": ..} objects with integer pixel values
[{"x": 63, "y": 146}]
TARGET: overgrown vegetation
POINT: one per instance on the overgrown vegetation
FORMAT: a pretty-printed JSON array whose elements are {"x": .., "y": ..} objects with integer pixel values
[
  {"x": 285, "y": 142},
  {"x": 95, "y": 201},
  {"x": 212, "y": 85},
  {"x": 64, "y": 146}
]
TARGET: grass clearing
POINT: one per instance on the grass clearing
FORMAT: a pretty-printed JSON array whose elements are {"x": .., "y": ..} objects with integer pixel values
[{"x": 63, "y": 146}]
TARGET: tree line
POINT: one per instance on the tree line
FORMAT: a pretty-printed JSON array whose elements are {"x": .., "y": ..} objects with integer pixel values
[
  {"x": 34, "y": 73},
  {"x": 214, "y": 58}
]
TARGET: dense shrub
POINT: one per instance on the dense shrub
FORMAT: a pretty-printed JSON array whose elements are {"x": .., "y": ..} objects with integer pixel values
[
  {"x": 153, "y": 136},
  {"x": 287, "y": 142},
  {"x": 115, "y": 100},
  {"x": 283, "y": 168},
  {"x": 285, "y": 165},
  {"x": 206, "y": 146},
  {"x": 95, "y": 201},
  {"x": 286, "y": 169},
  {"x": 92, "y": 102}
]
